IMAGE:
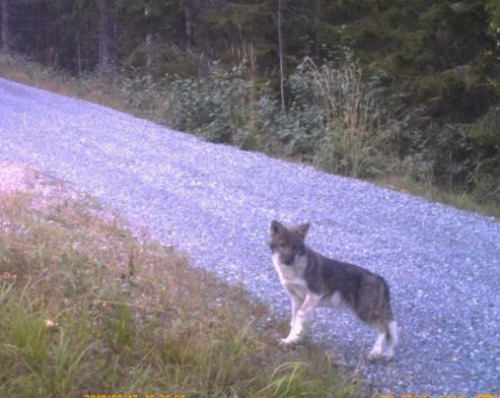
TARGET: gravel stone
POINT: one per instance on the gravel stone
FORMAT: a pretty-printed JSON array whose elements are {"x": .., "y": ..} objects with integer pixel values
[{"x": 216, "y": 202}]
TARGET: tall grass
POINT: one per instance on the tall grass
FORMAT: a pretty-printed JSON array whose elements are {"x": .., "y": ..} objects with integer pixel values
[
  {"x": 88, "y": 309},
  {"x": 353, "y": 125}
]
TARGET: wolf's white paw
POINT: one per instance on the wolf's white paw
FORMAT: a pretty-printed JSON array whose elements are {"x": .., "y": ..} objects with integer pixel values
[
  {"x": 389, "y": 355},
  {"x": 374, "y": 355},
  {"x": 288, "y": 341}
]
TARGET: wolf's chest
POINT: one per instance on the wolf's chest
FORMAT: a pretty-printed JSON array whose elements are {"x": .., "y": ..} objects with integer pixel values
[{"x": 291, "y": 277}]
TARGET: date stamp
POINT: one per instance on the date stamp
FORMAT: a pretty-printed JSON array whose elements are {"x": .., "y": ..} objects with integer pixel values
[
  {"x": 487, "y": 395},
  {"x": 111, "y": 396},
  {"x": 135, "y": 396},
  {"x": 165, "y": 396}
]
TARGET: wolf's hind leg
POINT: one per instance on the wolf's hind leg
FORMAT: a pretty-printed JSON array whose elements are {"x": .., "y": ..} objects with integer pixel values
[
  {"x": 392, "y": 339},
  {"x": 376, "y": 351}
]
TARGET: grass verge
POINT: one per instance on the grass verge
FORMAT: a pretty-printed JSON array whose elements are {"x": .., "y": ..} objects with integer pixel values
[
  {"x": 86, "y": 308},
  {"x": 100, "y": 88}
]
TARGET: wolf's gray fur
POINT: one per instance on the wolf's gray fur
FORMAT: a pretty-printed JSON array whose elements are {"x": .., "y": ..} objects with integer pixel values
[{"x": 313, "y": 280}]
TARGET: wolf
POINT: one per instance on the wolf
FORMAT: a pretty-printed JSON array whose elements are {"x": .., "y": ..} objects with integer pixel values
[{"x": 313, "y": 280}]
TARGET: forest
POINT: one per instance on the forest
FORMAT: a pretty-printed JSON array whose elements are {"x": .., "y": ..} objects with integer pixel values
[{"x": 380, "y": 89}]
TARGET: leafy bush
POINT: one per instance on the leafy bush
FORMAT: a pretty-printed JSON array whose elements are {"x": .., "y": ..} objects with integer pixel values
[
  {"x": 210, "y": 107},
  {"x": 334, "y": 120},
  {"x": 454, "y": 155},
  {"x": 144, "y": 97}
]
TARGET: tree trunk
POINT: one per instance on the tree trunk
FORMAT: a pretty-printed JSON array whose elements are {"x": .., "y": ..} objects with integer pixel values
[
  {"x": 189, "y": 16},
  {"x": 281, "y": 52},
  {"x": 104, "y": 34},
  {"x": 317, "y": 20},
  {"x": 5, "y": 25},
  {"x": 149, "y": 45},
  {"x": 78, "y": 55}
]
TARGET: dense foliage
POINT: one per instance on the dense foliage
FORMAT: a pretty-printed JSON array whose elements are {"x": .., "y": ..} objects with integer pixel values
[{"x": 371, "y": 86}]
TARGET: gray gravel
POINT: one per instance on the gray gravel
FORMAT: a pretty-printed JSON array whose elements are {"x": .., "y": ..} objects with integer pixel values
[{"x": 216, "y": 202}]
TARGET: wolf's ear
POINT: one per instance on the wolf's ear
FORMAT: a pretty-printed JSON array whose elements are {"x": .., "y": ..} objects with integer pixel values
[
  {"x": 276, "y": 227},
  {"x": 303, "y": 229}
]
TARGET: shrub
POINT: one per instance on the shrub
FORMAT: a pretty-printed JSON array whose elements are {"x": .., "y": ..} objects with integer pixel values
[
  {"x": 334, "y": 120},
  {"x": 215, "y": 107}
]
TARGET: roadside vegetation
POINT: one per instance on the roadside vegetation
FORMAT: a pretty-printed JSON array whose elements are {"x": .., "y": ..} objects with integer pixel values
[
  {"x": 87, "y": 308},
  {"x": 338, "y": 121}
]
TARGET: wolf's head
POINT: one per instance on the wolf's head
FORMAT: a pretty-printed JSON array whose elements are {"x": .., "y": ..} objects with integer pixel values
[{"x": 288, "y": 243}]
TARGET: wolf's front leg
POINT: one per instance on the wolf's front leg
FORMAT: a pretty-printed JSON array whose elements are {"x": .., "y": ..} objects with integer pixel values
[
  {"x": 296, "y": 304},
  {"x": 301, "y": 317}
]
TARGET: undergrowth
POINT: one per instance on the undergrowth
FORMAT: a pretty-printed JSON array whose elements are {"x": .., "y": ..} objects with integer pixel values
[
  {"x": 337, "y": 120},
  {"x": 88, "y": 309}
]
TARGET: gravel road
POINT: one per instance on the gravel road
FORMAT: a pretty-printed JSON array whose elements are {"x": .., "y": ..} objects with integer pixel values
[{"x": 216, "y": 202}]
